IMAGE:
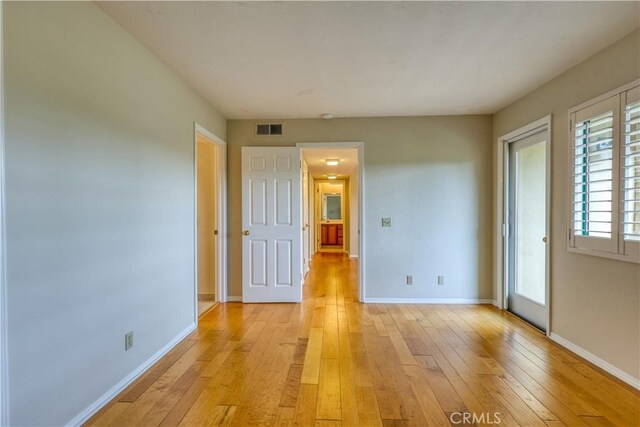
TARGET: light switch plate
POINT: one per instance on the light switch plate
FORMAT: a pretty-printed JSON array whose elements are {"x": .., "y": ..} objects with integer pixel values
[{"x": 386, "y": 222}]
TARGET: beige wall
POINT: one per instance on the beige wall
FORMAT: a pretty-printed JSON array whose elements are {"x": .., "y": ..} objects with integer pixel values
[
  {"x": 595, "y": 301},
  {"x": 431, "y": 175},
  {"x": 99, "y": 156}
]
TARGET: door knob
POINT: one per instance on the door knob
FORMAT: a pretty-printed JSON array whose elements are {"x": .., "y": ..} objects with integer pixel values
[
  {"x": 544, "y": 239},
  {"x": 245, "y": 232}
]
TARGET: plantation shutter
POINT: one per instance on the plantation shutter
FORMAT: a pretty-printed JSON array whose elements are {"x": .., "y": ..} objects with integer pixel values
[
  {"x": 595, "y": 171},
  {"x": 630, "y": 173}
]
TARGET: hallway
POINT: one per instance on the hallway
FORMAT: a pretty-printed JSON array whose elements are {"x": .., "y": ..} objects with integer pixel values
[{"x": 334, "y": 361}]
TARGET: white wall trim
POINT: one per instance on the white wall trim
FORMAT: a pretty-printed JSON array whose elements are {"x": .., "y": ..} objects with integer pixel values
[
  {"x": 600, "y": 363},
  {"x": 359, "y": 145},
  {"x": 353, "y": 256},
  {"x": 370, "y": 300},
  {"x": 4, "y": 351},
  {"x": 90, "y": 410},
  {"x": 234, "y": 298},
  {"x": 221, "y": 178}
]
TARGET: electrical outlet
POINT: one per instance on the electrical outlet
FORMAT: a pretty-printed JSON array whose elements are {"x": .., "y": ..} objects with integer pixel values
[
  {"x": 128, "y": 340},
  {"x": 386, "y": 222},
  {"x": 440, "y": 280},
  {"x": 409, "y": 280}
]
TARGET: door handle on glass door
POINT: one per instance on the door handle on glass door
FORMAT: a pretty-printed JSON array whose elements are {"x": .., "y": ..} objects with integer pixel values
[
  {"x": 245, "y": 232},
  {"x": 544, "y": 239}
]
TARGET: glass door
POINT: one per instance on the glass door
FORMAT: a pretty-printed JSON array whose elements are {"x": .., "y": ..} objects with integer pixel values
[{"x": 526, "y": 292}]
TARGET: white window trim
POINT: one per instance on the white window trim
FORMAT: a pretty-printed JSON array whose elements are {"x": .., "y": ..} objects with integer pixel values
[{"x": 570, "y": 188}]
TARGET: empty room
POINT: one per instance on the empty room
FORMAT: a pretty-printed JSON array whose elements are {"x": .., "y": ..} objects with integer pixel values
[{"x": 321, "y": 213}]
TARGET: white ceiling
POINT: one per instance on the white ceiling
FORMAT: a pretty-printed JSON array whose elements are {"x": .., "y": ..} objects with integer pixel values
[
  {"x": 316, "y": 161},
  {"x": 302, "y": 59}
]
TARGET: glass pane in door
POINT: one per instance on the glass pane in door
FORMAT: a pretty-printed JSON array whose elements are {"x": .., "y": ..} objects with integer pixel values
[{"x": 530, "y": 212}]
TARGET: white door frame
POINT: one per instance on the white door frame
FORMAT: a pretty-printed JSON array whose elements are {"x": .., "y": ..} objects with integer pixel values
[
  {"x": 221, "y": 207},
  {"x": 359, "y": 145},
  {"x": 502, "y": 260}
]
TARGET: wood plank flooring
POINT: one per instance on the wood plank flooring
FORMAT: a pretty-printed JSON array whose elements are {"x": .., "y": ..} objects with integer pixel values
[{"x": 331, "y": 361}]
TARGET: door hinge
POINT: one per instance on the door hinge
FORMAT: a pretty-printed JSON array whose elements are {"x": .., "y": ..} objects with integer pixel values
[{"x": 505, "y": 230}]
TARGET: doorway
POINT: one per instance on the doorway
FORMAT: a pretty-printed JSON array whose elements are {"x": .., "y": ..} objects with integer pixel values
[
  {"x": 334, "y": 172},
  {"x": 527, "y": 226},
  {"x": 210, "y": 158},
  {"x": 331, "y": 216},
  {"x": 278, "y": 220}
]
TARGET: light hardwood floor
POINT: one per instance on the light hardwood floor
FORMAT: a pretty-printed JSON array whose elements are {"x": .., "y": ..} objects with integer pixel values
[{"x": 333, "y": 361}]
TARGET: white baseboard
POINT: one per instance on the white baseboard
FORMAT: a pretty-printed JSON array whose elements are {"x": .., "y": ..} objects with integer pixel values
[
  {"x": 426, "y": 301},
  {"x": 495, "y": 302},
  {"x": 602, "y": 364},
  {"x": 353, "y": 256},
  {"x": 234, "y": 299},
  {"x": 88, "y": 412}
]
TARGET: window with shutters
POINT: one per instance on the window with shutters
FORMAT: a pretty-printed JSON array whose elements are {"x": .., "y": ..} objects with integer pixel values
[{"x": 605, "y": 175}]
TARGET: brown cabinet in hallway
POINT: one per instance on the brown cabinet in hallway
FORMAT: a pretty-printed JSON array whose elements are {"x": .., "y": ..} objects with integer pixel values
[{"x": 331, "y": 234}]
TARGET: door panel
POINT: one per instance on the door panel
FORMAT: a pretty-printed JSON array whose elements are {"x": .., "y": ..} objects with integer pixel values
[
  {"x": 527, "y": 220},
  {"x": 272, "y": 220},
  {"x": 284, "y": 208},
  {"x": 258, "y": 201},
  {"x": 283, "y": 263},
  {"x": 258, "y": 262}
]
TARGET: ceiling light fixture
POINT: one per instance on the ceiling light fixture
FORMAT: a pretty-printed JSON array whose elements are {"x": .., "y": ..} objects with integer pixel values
[
  {"x": 332, "y": 162},
  {"x": 331, "y": 177},
  {"x": 327, "y": 116}
]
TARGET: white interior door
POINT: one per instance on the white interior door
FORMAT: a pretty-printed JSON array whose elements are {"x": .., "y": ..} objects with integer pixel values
[
  {"x": 272, "y": 220},
  {"x": 527, "y": 292}
]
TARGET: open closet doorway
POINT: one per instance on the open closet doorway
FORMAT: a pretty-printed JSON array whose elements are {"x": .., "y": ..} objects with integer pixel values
[{"x": 210, "y": 159}]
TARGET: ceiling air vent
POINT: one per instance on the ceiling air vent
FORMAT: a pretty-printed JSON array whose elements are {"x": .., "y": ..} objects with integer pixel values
[{"x": 264, "y": 129}]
